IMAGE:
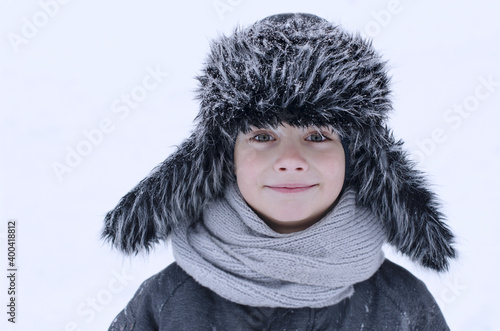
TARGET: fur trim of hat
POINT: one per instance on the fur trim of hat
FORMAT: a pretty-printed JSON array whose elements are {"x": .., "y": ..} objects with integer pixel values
[{"x": 302, "y": 70}]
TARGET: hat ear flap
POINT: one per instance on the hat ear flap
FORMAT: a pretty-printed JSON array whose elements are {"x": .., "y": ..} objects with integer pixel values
[
  {"x": 175, "y": 191},
  {"x": 387, "y": 182}
]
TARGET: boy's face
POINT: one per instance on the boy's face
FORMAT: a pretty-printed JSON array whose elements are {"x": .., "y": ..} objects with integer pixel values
[{"x": 289, "y": 176}]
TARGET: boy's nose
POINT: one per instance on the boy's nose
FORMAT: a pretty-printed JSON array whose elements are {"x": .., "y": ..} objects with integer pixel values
[{"x": 290, "y": 160}]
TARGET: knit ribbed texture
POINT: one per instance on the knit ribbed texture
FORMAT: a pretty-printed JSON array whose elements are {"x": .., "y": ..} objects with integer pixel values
[{"x": 235, "y": 254}]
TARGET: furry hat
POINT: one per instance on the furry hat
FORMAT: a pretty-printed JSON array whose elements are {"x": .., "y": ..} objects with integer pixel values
[{"x": 302, "y": 70}]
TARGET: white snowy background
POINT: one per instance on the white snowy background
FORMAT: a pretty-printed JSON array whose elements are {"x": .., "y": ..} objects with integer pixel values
[{"x": 66, "y": 65}]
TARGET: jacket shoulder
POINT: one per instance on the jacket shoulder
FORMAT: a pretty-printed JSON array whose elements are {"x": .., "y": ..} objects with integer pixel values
[
  {"x": 410, "y": 296},
  {"x": 394, "y": 280},
  {"x": 144, "y": 309}
]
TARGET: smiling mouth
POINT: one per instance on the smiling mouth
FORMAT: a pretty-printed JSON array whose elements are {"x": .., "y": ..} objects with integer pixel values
[{"x": 291, "y": 188}]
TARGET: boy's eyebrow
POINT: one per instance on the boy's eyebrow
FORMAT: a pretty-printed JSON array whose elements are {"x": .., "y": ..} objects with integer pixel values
[
  {"x": 279, "y": 132},
  {"x": 329, "y": 129}
]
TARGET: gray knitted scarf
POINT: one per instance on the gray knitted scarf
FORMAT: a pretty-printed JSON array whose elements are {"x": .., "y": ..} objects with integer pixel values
[{"x": 236, "y": 255}]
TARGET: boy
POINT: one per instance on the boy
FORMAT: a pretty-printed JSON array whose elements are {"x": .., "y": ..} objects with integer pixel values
[{"x": 279, "y": 203}]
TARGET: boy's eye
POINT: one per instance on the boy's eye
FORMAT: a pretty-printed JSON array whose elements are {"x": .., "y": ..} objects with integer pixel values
[
  {"x": 263, "y": 137},
  {"x": 316, "y": 137}
]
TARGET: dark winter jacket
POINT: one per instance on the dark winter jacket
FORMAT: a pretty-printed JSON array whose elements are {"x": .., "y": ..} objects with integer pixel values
[{"x": 392, "y": 299}]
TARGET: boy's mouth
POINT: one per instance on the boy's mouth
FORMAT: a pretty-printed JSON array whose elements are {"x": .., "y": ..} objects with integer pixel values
[{"x": 290, "y": 188}]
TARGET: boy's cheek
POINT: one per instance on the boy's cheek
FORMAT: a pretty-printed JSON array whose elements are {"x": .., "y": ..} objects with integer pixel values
[
  {"x": 247, "y": 175},
  {"x": 245, "y": 156}
]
